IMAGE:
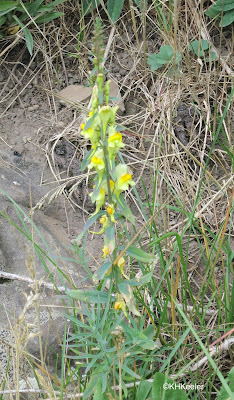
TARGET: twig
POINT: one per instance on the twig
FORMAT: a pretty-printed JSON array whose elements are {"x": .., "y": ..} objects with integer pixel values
[
  {"x": 7, "y": 275},
  {"x": 213, "y": 350},
  {"x": 10, "y": 46}
]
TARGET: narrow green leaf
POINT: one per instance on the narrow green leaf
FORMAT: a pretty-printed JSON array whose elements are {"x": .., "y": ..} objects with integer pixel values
[
  {"x": 56, "y": 2},
  {"x": 138, "y": 254},
  {"x": 7, "y": 6},
  {"x": 96, "y": 375},
  {"x": 89, "y": 122},
  {"x": 125, "y": 209},
  {"x": 223, "y": 395},
  {"x": 174, "y": 350},
  {"x": 30, "y": 7},
  {"x": 114, "y": 8},
  {"x": 86, "y": 160},
  {"x": 89, "y": 296},
  {"x": 143, "y": 390},
  {"x": 88, "y": 224},
  {"x": 212, "y": 13},
  {"x": 89, "y": 5},
  {"x": 101, "y": 272},
  {"x": 98, "y": 395},
  {"x": 34, "y": 6},
  {"x": 136, "y": 281},
  {"x": 78, "y": 323},
  {"x": 27, "y": 35},
  {"x": 149, "y": 331},
  {"x": 44, "y": 8},
  {"x": 2, "y": 20},
  {"x": 29, "y": 40},
  {"x": 204, "y": 349},
  {"x": 130, "y": 372},
  {"x": 139, "y": 3},
  {"x": 48, "y": 17}
]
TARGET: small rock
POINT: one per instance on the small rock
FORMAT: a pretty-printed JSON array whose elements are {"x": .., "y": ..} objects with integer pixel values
[
  {"x": 74, "y": 94},
  {"x": 78, "y": 94},
  {"x": 33, "y": 108}
]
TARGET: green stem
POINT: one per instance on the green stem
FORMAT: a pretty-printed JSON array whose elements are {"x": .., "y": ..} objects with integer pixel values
[{"x": 107, "y": 173}]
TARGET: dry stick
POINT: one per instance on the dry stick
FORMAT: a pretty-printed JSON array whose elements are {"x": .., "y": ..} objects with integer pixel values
[
  {"x": 223, "y": 347},
  {"x": 62, "y": 289},
  {"x": 108, "y": 45},
  {"x": 10, "y": 46},
  {"x": 222, "y": 337},
  {"x": 156, "y": 107},
  {"x": 134, "y": 23},
  {"x": 7, "y": 275}
]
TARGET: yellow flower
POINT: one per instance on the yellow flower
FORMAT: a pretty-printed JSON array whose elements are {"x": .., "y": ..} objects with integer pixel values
[
  {"x": 121, "y": 264},
  {"x": 111, "y": 211},
  {"x": 114, "y": 143},
  {"x": 112, "y": 185},
  {"x": 123, "y": 179},
  {"x": 98, "y": 163},
  {"x": 100, "y": 200},
  {"x": 107, "y": 116},
  {"x": 120, "y": 305},
  {"x": 105, "y": 251},
  {"x": 93, "y": 131},
  {"x": 104, "y": 220}
]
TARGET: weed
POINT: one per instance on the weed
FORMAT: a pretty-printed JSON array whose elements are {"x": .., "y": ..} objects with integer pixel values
[{"x": 18, "y": 14}]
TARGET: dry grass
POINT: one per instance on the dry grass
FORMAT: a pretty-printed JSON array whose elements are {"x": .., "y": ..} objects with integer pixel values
[{"x": 168, "y": 173}]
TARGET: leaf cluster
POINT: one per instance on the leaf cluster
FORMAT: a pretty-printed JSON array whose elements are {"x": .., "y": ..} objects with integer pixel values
[
  {"x": 17, "y": 14},
  {"x": 114, "y": 7},
  {"x": 222, "y": 10},
  {"x": 202, "y": 49},
  {"x": 102, "y": 340},
  {"x": 165, "y": 56}
]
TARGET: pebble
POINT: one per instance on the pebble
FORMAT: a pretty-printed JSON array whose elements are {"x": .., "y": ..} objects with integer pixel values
[{"x": 33, "y": 108}]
